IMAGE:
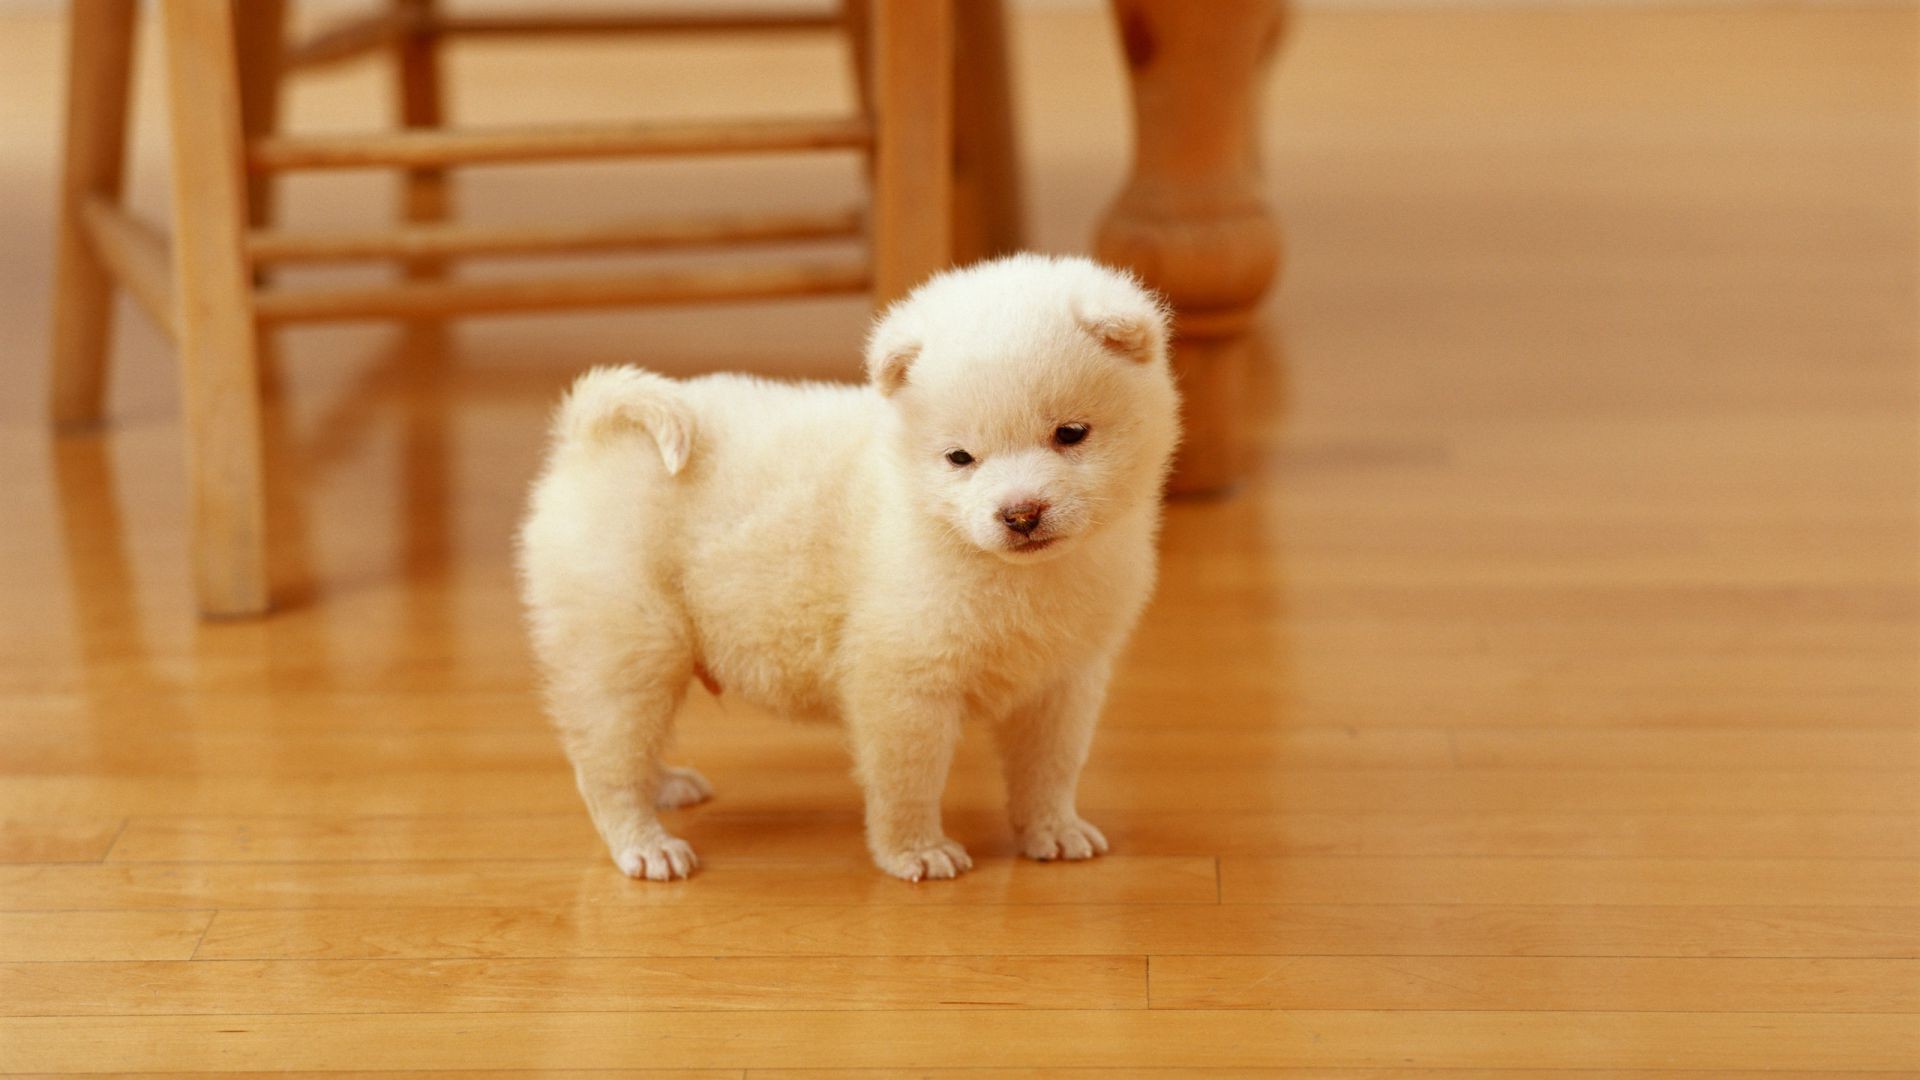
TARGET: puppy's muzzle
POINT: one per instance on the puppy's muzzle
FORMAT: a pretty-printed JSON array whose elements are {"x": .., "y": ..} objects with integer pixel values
[{"x": 1022, "y": 518}]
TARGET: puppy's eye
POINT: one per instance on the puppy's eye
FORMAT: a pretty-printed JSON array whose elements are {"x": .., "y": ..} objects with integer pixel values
[
  {"x": 1069, "y": 434},
  {"x": 959, "y": 458}
]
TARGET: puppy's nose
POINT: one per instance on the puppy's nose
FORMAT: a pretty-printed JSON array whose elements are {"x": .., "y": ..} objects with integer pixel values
[{"x": 1024, "y": 517}]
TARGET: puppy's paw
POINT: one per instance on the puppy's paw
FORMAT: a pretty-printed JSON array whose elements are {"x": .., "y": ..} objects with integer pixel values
[
  {"x": 681, "y": 787},
  {"x": 934, "y": 862},
  {"x": 1073, "y": 838},
  {"x": 668, "y": 858}
]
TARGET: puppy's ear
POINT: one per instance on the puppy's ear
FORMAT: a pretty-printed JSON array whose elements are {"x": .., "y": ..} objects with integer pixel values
[
  {"x": 891, "y": 351},
  {"x": 1129, "y": 322}
]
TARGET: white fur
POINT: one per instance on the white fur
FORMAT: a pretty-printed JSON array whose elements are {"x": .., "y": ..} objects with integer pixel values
[{"x": 810, "y": 548}]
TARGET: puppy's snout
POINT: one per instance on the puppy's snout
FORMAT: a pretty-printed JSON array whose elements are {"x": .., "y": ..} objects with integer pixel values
[{"x": 1022, "y": 518}]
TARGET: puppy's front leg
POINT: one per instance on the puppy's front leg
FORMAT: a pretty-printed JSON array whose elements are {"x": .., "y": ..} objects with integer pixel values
[
  {"x": 903, "y": 746},
  {"x": 1043, "y": 746}
]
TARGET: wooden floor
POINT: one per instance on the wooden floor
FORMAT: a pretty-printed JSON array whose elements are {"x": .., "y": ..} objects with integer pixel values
[{"x": 1546, "y": 702}]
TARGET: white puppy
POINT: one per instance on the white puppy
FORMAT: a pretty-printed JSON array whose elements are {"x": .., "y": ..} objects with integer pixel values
[{"x": 970, "y": 536}]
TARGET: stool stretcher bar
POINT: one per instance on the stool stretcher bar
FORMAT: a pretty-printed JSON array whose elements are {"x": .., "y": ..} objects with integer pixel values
[
  {"x": 663, "y": 22},
  {"x": 135, "y": 253},
  {"x": 430, "y": 148},
  {"x": 430, "y": 299},
  {"x": 268, "y": 246},
  {"x": 359, "y": 36}
]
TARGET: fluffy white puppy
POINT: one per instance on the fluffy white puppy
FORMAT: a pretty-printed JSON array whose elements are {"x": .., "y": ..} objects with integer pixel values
[{"x": 968, "y": 537}]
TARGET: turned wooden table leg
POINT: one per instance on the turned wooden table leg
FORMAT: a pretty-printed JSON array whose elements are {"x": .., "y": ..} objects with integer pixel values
[{"x": 1191, "y": 220}]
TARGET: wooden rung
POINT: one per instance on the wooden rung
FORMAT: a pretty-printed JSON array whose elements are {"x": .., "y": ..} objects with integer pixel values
[
  {"x": 364, "y": 34},
  {"x": 663, "y": 22},
  {"x": 440, "y": 147},
  {"x": 354, "y": 37},
  {"x": 430, "y": 299},
  {"x": 427, "y": 241},
  {"x": 135, "y": 252}
]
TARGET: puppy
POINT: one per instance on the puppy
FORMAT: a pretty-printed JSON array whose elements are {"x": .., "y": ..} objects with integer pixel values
[{"x": 970, "y": 536}]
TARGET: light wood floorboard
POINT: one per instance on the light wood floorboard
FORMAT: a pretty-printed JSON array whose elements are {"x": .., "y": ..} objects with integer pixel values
[
  {"x": 563, "y": 835},
  {"x": 1221, "y": 1040},
  {"x": 1412, "y": 929}
]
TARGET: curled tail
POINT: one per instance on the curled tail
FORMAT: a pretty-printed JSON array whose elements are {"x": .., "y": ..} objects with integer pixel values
[{"x": 607, "y": 401}]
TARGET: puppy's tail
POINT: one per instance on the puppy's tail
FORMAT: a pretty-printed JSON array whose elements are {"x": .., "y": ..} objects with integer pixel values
[{"x": 608, "y": 401}]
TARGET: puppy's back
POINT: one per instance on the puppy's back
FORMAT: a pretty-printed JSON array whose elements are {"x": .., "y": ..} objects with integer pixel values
[
  {"x": 740, "y": 484},
  {"x": 757, "y": 533},
  {"x": 781, "y": 433}
]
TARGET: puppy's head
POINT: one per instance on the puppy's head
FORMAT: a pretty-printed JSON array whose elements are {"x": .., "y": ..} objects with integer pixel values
[{"x": 1033, "y": 400}]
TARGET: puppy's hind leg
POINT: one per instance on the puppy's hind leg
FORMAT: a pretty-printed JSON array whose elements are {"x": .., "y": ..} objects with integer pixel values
[
  {"x": 614, "y": 705},
  {"x": 680, "y": 786}
]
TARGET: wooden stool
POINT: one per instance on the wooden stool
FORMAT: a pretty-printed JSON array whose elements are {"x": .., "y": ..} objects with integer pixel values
[{"x": 224, "y": 66}]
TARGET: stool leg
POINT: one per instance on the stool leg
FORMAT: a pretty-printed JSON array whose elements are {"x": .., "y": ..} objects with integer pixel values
[
  {"x": 987, "y": 215},
  {"x": 260, "y": 44},
  {"x": 856, "y": 21},
  {"x": 417, "y": 72},
  {"x": 99, "y": 68},
  {"x": 218, "y": 337},
  {"x": 913, "y": 144},
  {"x": 260, "y": 41}
]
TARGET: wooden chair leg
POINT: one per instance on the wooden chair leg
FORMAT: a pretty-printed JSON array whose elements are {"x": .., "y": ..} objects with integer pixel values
[
  {"x": 987, "y": 215},
  {"x": 218, "y": 340},
  {"x": 99, "y": 68},
  {"x": 913, "y": 144},
  {"x": 1192, "y": 220}
]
